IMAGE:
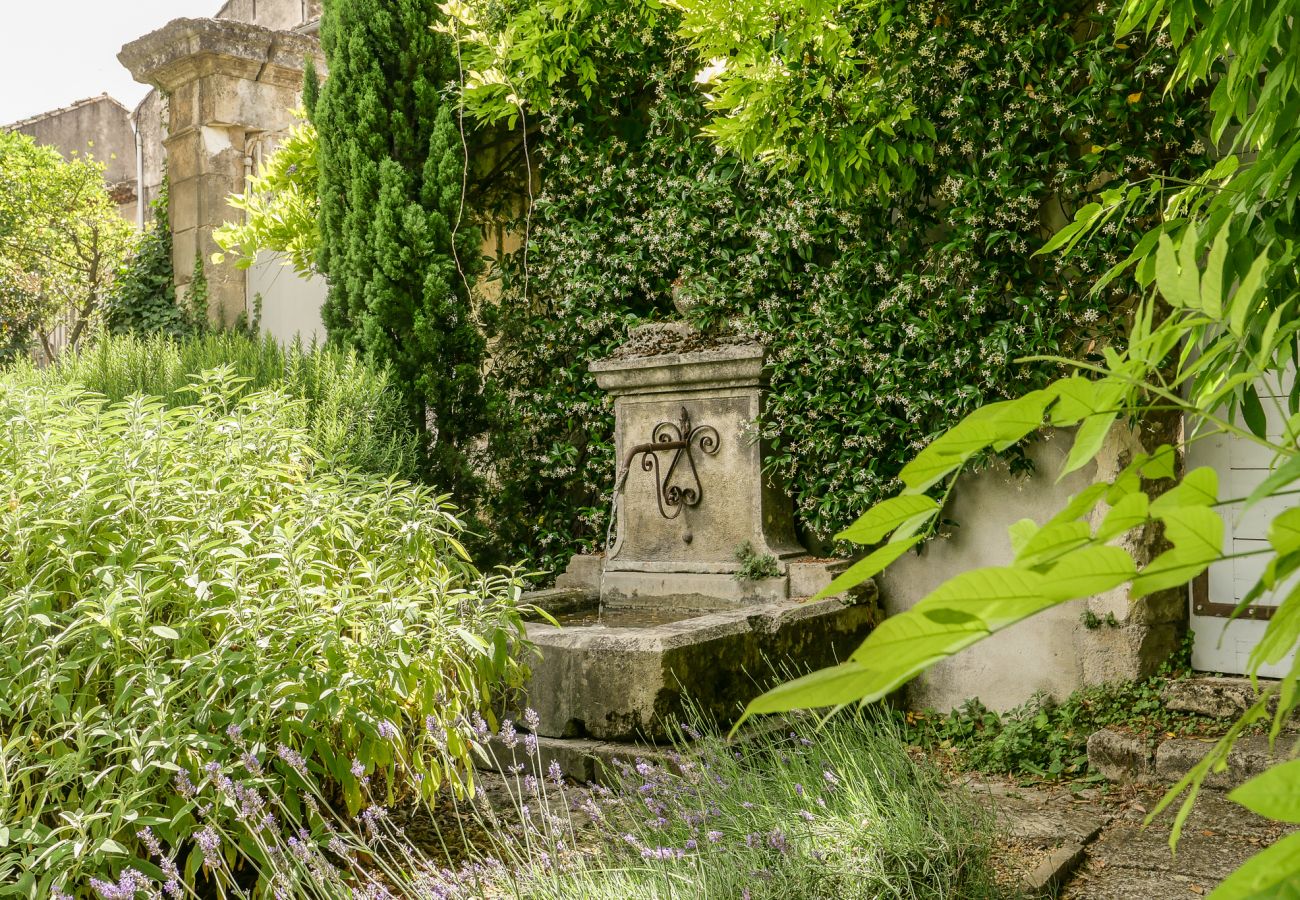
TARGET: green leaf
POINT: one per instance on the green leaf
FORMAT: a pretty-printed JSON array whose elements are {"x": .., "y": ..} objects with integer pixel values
[
  {"x": 164, "y": 632},
  {"x": 1284, "y": 532},
  {"x": 1082, "y": 220},
  {"x": 1087, "y": 441},
  {"x": 1281, "y": 634},
  {"x": 1252, "y": 412},
  {"x": 834, "y": 686},
  {"x": 1080, "y": 504},
  {"x": 1089, "y": 571},
  {"x": 1169, "y": 277},
  {"x": 1197, "y": 535},
  {"x": 1053, "y": 540},
  {"x": 869, "y": 566},
  {"x": 1199, "y": 487},
  {"x": 994, "y": 597},
  {"x": 1212, "y": 280},
  {"x": 1273, "y": 874},
  {"x": 1130, "y": 512},
  {"x": 1243, "y": 300},
  {"x": 1275, "y": 794},
  {"x": 884, "y": 517}
]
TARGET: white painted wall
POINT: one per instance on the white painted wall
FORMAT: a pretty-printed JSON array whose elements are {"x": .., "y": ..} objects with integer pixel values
[
  {"x": 1223, "y": 646},
  {"x": 290, "y": 304}
]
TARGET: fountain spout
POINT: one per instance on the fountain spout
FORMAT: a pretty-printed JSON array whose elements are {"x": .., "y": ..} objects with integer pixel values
[{"x": 682, "y": 439}]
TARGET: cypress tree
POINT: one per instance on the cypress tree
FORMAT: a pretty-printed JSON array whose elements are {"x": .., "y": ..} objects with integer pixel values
[
  {"x": 399, "y": 269},
  {"x": 310, "y": 87}
]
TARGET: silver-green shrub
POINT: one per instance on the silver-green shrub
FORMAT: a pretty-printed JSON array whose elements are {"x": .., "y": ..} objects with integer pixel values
[{"x": 182, "y": 587}]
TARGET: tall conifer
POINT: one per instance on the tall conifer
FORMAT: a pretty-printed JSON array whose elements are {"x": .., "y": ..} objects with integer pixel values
[{"x": 399, "y": 269}]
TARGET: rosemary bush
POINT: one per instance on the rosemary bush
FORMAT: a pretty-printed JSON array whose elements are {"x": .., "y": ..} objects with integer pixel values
[
  {"x": 355, "y": 418},
  {"x": 182, "y": 587}
]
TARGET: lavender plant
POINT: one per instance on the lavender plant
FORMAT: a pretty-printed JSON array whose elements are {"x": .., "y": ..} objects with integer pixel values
[
  {"x": 837, "y": 812},
  {"x": 189, "y": 604}
]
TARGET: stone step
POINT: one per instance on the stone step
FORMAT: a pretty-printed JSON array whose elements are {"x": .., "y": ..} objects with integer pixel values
[
  {"x": 1134, "y": 759},
  {"x": 1216, "y": 696}
]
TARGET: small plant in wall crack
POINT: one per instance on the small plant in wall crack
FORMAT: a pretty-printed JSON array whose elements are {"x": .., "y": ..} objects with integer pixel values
[{"x": 755, "y": 566}]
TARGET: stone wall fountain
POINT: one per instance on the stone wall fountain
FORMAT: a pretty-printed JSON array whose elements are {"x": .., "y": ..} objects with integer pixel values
[{"x": 667, "y": 614}]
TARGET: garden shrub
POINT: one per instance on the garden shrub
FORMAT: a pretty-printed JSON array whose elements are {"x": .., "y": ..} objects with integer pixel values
[
  {"x": 888, "y": 316},
  {"x": 355, "y": 417},
  {"x": 183, "y": 586}
]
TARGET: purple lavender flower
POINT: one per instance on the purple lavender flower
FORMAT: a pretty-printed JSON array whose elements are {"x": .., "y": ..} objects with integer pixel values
[
  {"x": 530, "y": 744},
  {"x": 554, "y": 773},
  {"x": 251, "y": 763},
  {"x": 530, "y": 784},
  {"x": 644, "y": 769},
  {"x": 753, "y": 839},
  {"x": 798, "y": 789},
  {"x": 508, "y": 736},
  {"x": 807, "y": 816},
  {"x": 479, "y": 726},
  {"x": 532, "y": 721},
  {"x": 691, "y": 844},
  {"x": 664, "y": 853},
  {"x": 714, "y": 836},
  {"x": 358, "y": 769},
  {"x": 831, "y": 778},
  {"x": 435, "y": 730},
  {"x": 129, "y": 883},
  {"x": 292, "y": 758},
  {"x": 234, "y": 732},
  {"x": 690, "y": 732},
  {"x": 184, "y": 786},
  {"x": 776, "y": 840},
  {"x": 386, "y": 730},
  {"x": 210, "y": 844},
  {"x": 59, "y": 894}
]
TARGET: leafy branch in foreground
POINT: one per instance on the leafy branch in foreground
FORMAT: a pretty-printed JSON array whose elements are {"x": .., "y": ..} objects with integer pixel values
[{"x": 1214, "y": 339}]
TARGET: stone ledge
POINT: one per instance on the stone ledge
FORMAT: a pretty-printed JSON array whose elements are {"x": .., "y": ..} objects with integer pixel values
[{"x": 1216, "y": 696}]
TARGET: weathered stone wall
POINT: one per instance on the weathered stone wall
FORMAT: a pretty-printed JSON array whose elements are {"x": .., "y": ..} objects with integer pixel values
[{"x": 98, "y": 127}]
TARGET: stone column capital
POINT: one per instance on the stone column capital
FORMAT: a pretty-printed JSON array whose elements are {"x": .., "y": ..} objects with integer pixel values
[{"x": 185, "y": 50}]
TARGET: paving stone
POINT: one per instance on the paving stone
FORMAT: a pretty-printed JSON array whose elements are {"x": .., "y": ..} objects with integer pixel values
[{"x": 1131, "y": 860}]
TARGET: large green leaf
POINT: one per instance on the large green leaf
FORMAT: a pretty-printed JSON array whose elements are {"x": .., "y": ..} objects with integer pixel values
[
  {"x": 884, "y": 517},
  {"x": 1130, "y": 512},
  {"x": 994, "y": 596},
  {"x": 1089, "y": 571},
  {"x": 1197, "y": 535},
  {"x": 1275, "y": 794},
  {"x": 1199, "y": 487},
  {"x": 1087, "y": 441},
  {"x": 1284, "y": 531},
  {"x": 1052, "y": 541},
  {"x": 1281, "y": 634},
  {"x": 1273, "y": 874}
]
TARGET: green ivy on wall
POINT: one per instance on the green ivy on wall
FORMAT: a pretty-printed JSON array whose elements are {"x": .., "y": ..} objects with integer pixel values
[{"x": 888, "y": 317}]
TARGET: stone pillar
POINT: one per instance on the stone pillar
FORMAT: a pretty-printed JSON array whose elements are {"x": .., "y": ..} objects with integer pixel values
[
  {"x": 226, "y": 83},
  {"x": 684, "y": 513}
]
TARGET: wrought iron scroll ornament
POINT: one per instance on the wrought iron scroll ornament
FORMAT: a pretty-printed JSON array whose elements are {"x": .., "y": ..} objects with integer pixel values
[{"x": 681, "y": 439}]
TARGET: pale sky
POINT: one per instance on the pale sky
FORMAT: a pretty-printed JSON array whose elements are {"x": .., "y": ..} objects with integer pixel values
[{"x": 55, "y": 52}]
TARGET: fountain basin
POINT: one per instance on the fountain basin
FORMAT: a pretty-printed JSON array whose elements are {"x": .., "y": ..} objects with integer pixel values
[{"x": 634, "y": 677}]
